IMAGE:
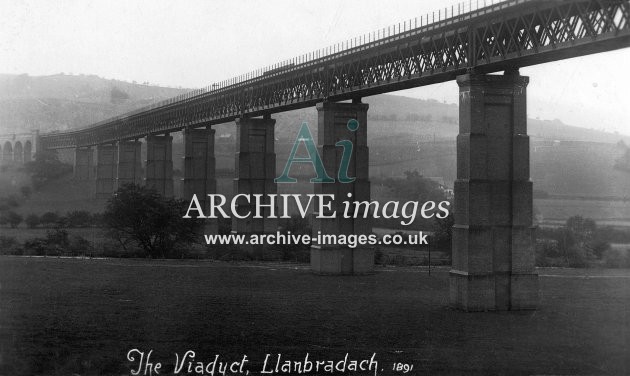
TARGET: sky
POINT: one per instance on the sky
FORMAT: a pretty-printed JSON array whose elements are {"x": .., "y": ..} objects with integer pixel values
[{"x": 195, "y": 43}]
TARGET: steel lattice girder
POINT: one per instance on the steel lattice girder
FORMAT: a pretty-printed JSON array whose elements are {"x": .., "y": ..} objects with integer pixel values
[{"x": 508, "y": 35}]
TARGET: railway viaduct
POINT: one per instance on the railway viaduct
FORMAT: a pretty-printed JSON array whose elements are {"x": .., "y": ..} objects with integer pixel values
[
  {"x": 18, "y": 148},
  {"x": 481, "y": 46}
]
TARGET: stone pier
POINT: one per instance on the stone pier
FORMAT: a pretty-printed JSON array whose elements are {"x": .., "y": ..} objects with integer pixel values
[
  {"x": 83, "y": 163},
  {"x": 159, "y": 164},
  {"x": 18, "y": 153},
  {"x": 255, "y": 169},
  {"x": 129, "y": 163},
  {"x": 106, "y": 170},
  {"x": 337, "y": 122},
  {"x": 199, "y": 169},
  {"x": 493, "y": 236}
]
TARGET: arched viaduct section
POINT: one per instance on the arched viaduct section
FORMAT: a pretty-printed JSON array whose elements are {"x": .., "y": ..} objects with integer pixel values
[{"x": 18, "y": 148}]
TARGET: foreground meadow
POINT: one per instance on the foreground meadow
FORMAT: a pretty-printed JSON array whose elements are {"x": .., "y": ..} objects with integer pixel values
[{"x": 82, "y": 316}]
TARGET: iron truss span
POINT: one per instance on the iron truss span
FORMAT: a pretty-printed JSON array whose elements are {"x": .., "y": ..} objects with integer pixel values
[{"x": 506, "y": 35}]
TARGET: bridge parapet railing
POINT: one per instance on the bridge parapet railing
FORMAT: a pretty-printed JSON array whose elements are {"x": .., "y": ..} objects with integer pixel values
[{"x": 488, "y": 38}]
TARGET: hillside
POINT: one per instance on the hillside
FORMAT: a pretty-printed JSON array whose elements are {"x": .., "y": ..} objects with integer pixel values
[
  {"x": 61, "y": 102},
  {"x": 404, "y": 134}
]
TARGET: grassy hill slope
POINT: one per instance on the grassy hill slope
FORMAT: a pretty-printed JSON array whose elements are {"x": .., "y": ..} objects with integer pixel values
[{"x": 404, "y": 134}]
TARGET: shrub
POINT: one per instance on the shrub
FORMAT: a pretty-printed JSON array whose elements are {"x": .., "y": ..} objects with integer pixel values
[
  {"x": 443, "y": 235},
  {"x": 578, "y": 257},
  {"x": 599, "y": 247},
  {"x": 97, "y": 220},
  {"x": 9, "y": 202},
  {"x": 13, "y": 219},
  {"x": 32, "y": 220},
  {"x": 225, "y": 226},
  {"x": 616, "y": 258},
  {"x": 140, "y": 216},
  {"x": 58, "y": 242},
  {"x": 296, "y": 225},
  {"x": 379, "y": 257},
  {"x": 78, "y": 218},
  {"x": 78, "y": 245},
  {"x": 49, "y": 219},
  {"x": 9, "y": 245},
  {"x": 46, "y": 166}
]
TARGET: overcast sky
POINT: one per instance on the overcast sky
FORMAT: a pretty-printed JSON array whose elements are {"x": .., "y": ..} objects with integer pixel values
[{"x": 194, "y": 43}]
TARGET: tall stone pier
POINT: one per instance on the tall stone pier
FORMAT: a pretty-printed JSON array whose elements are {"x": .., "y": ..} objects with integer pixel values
[
  {"x": 106, "y": 170},
  {"x": 199, "y": 169},
  {"x": 338, "y": 123},
  {"x": 493, "y": 236},
  {"x": 159, "y": 164},
  {"x": 83, "y": 163},
  {"x": 255, "y": 169},
  {"x": 129, "y": 170}
]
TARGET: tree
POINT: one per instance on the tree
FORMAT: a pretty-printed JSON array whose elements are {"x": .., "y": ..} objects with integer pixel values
[
  {"x": 78, "y": 218},
  {"x": 49, "y": 219},
  {"x": 9, "y": 202},
  {"x": 140, "y": 216},
  {"x": 46, "y": 166},
  {"x": 13, "y": 219},
  {"x": 416, "y": 187},
  {"x": 582, "y": 228},
  {"x": 443, "y": 234},
  {"x": 32, "y": 221},
  {"x": 96, "y": 220},
  {"x": 118, "y": 96},
  {"x": 578, "y": 241}
]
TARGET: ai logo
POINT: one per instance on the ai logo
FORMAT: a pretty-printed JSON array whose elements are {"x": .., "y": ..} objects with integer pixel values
[{"x": 305, "y": 136}]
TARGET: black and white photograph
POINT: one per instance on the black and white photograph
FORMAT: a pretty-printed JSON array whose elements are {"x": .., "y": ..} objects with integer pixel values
[{"x": 284, "y": 188}]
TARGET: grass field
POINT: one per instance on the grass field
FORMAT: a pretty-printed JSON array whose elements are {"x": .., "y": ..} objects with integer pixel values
[
  {"x": 605, "y": 213},
  {"x": 73, "y": 316}
]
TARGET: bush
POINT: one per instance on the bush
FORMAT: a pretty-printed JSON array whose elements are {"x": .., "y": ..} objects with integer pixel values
[
  {"x": 443, "y": 235},
  {"x": 54, "y": 244},
  {"x": 225, "y": 226},
  {"x": 46, "y": 166},
  {"x": 580, "y": 243},
  {"x": 599, "y": 247},
  {"x": 32, "y": 220},
  {"x": 78, "y": 218},
  {"x": 578, "y": 257},
  {"x": 139, "y": 216},
  {"x": 12, "y": 218},
  {"x": 295, "y": 226},
  {"x": 616, "y": 258},
  {"x": 9, "y": 245},
  {"x": 78, "y": 245},
  {"x": 49, "y": 219},
  {"x": 97, "y": 220},
  {"x": 58, "y": 243},
  {"x": 379, "y": 257}
]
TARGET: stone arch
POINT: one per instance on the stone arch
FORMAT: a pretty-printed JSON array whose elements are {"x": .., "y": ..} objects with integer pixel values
[
  {"x": 28, "y": 151},
  {"x": 18, "y": 152},
  {"x": 7, "y": 152}
]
